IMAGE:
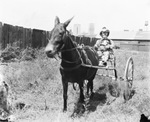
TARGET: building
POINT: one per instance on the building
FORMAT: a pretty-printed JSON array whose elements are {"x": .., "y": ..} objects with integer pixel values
[
  {"x": 91, "y": 30},
  {"x": 77, "y": 29},
  {"x": 132, "y": 40},
  {"x": 146, "y": 25}
]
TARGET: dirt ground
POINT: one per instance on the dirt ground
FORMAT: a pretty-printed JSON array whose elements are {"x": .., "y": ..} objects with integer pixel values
[{"x": 36, "y": 92}]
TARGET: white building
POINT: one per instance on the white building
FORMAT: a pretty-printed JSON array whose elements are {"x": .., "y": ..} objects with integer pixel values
[
  {"x": 91, "y": 28},
  {"x": 77, "y": 29}
]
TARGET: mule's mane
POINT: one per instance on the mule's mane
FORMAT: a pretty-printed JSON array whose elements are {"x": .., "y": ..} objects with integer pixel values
[
  {"x": 69, "y": 39},
  {"x": 71, "y": 57}
]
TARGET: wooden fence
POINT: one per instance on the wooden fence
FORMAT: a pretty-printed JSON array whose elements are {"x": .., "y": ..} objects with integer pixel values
[{"x": 23, "y": 37}]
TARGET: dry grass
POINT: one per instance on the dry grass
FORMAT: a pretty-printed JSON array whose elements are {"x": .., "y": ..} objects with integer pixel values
[{"x": 37, "y": 84}]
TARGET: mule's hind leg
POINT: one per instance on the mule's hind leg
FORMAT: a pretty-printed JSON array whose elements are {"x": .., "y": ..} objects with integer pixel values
[
  {"x": 81, "y": 99},
  {"x": 90, "y": 85}
]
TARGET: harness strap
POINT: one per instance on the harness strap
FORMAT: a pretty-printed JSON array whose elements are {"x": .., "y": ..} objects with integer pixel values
[
  {"x": 69, "y": 69},
  {"x": 73, "y": 68},
  {"x": 88, "y": 61}
]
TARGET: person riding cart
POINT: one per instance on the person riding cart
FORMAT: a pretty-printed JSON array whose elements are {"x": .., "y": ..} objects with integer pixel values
[{"x": 104, "y": 47}]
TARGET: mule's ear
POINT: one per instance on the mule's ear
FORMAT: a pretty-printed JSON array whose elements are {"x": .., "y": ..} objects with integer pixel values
[
  {"x": 57, "y": 21},
  {"x": 67, "y": 22}
]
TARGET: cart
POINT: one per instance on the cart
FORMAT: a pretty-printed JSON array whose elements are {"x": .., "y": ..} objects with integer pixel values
[
  {"x": 128, "y": 73},
  {"x": 111, "y": 66}
]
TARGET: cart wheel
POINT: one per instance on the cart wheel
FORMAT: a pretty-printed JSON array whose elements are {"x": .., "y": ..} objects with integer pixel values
[
  {"x": 115, "y": 71},
  {"x": 114, "y": 62},
  {"x": 129, "y": 70}
]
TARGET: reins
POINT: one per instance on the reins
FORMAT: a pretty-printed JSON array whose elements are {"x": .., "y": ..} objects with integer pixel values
[
  {"x": 80, "y": 55},
  {"x": 71, "y": 62}
]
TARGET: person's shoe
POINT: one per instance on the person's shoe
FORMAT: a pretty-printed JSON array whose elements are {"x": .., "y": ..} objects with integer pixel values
[
  {"x": 102, "y": 63},
  {"x": 105, "y": 64}
]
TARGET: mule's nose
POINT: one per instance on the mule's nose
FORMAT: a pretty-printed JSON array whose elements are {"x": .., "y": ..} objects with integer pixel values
[{"x": 48, "y": 52}]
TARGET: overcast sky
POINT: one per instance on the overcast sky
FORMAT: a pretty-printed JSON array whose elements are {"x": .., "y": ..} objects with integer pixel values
[{"x": 40, "y": 14}]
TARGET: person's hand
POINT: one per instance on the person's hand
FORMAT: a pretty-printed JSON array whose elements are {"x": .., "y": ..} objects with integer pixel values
[
  {"x": 95, "y": 48},
  {"x": 107, "y": 46},
  {"x": 102, "y": 48},
  {"x": 102, "y": 44}
]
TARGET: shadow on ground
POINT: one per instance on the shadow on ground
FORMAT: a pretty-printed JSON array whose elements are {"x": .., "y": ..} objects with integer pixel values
[{"x": 97, "y": 99}]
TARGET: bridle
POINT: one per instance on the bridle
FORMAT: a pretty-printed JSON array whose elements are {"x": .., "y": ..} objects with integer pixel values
[
  {"x": 72, "y": 49},
  {"x": 71, "y": 62},
  {"x": 67, "y": 50}
]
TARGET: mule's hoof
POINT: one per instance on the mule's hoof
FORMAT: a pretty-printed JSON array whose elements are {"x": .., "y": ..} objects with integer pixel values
[
  {"x": 81, "y": 100},
  {"x": 64, "y": 110},
  {"x": 87, "y": 95},
  {"x": 79, "y": 109},
  {"x": 92, "y": 95}
]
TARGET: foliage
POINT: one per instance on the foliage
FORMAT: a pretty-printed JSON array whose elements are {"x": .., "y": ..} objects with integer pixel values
[
  {"x": 13, "y": 54},
  {"x": 10, "y": 53},
  {"x": 37, "y": 84}
]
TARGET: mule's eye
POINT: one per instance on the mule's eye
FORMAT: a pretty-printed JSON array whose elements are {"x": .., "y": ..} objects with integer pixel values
[
  {"x": 61, "y": 33},
  {"x": 57, "y": 42}
]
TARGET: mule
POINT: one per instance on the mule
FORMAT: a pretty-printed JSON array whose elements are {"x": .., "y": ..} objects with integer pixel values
[{"x": 72, "y": 57}]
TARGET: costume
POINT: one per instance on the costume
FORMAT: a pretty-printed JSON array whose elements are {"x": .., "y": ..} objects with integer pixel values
[{"x": 104, "y": 47}]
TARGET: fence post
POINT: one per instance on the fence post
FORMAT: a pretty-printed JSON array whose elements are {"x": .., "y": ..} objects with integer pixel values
[
  {"x": 44, "y": 39},
  {"x": 13, "y": 41},
  {"x": 10, "y": 34},
  {"x": 37, "y": 36},
  {"x": 20, "y": 36},
  {"x": 5, "y": 36},
  {"x": 1, "y": 27},
  {"x": 17, "y": 36},
  {"x": 24, "y": 38}
]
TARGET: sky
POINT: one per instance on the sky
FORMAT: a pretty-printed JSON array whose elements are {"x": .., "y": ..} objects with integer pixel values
[{"x": 40, "y": 14}]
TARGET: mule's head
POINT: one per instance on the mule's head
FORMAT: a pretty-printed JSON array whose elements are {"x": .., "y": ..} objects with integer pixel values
[{"x": 57, "y": 36}]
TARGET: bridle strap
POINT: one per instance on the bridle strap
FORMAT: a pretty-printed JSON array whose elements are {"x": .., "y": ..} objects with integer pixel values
[
  {"x": 79, "y": 59},
  {"x": 80, "y": 55},
  {"x": 68, "y": 49},
  {"x": 69, "y": 69},
  {"x": 75, "y": 48},
  {"x": 72, "y": 68}
]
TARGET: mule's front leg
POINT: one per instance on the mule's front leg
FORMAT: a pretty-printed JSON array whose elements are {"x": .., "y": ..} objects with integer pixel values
[
  {"x": 81, "y": 99},
  {"x": 65, "y": 89},
  {"x": 90, "y": 87}
]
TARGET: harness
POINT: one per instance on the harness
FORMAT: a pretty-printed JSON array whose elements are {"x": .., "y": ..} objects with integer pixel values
[
  {"x": 79, "y": 59},
  {"x": 83, "y": 52}
]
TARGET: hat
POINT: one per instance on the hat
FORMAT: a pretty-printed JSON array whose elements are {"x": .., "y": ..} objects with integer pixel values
[{"x": 104, "y": 30}]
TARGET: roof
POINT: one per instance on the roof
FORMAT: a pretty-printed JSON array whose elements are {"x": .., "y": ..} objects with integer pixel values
[
  {"x": 130, "y": 35},
  {"x": 142, "y": 35}
]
